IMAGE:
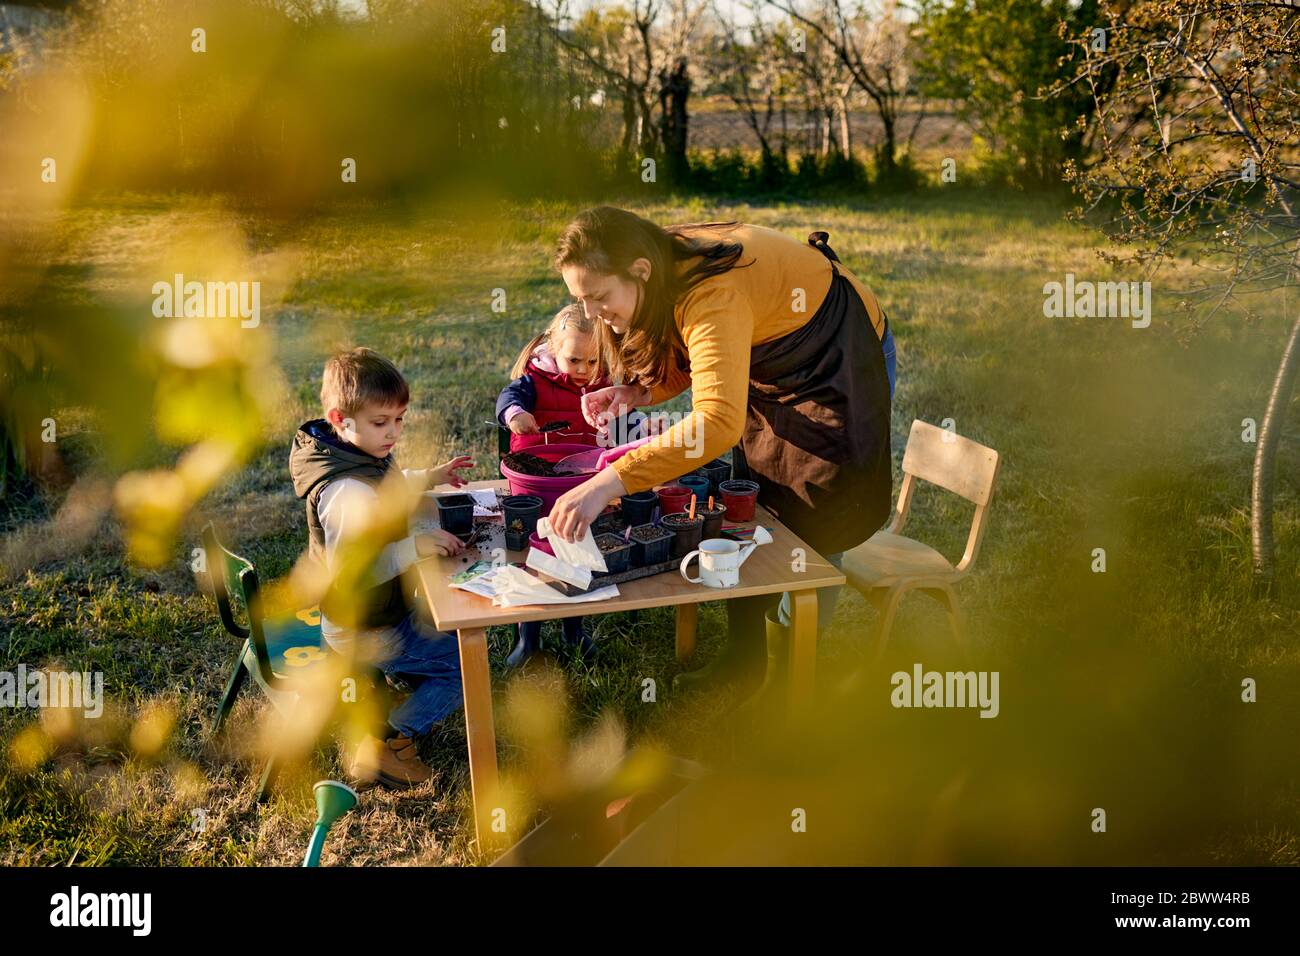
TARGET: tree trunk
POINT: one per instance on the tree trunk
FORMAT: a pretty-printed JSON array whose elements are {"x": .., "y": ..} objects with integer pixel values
[
  {"x": 888, "y": 152},
  {"x": 846, "y": 139},
  {"x": 785, "y": 132},
  {"x": 629, "y": 126},
  {"x": 674, "y": 91},
  {"x": 1261, "y": 483}
]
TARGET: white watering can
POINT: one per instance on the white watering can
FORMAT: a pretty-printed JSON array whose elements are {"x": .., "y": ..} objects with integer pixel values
[{"x": 721, "y": 558}]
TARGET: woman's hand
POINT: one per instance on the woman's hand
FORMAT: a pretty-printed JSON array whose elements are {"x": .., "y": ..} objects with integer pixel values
[
  {"x": 606, "y": 405},
  {"x": 523, "y": 424},
  {"x": 578, "y": 507},
  {"x": 446, "y": 474}
]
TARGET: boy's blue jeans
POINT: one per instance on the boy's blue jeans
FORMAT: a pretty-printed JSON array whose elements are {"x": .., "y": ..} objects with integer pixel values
[{"x": 428, "y": 661}]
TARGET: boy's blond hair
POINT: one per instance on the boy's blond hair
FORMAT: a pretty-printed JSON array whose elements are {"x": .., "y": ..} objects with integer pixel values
[{"x": 359, "y": 377}]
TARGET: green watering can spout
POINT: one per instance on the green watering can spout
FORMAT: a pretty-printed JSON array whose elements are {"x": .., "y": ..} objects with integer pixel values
[{"x": 333, "y": 800}]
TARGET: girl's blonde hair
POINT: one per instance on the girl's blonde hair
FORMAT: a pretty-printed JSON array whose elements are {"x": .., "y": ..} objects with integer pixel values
[{"x": 571, "y": 318}]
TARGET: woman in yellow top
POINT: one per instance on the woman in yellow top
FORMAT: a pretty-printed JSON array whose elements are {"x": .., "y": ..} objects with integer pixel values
[{"x": 782, "y": 349}]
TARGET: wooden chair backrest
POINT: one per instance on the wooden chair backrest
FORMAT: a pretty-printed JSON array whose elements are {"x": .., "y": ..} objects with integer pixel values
[
  {"x": 950, "y": 461},
  {"x": 960, "y": 465}
]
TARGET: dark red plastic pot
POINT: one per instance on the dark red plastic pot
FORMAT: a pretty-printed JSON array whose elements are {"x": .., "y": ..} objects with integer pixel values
[
  {"x": 740, "y": 496},
  {"x": 673, "y": 498}
]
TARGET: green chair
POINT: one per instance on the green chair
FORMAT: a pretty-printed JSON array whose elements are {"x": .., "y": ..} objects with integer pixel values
[{"x": 276, "y": 650}]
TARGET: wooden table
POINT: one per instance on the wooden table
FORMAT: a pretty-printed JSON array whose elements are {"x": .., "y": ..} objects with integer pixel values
[{"x": 768, "y": 571}]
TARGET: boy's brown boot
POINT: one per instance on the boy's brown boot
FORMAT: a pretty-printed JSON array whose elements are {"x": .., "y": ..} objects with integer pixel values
[{"x": 392, "y": 763}]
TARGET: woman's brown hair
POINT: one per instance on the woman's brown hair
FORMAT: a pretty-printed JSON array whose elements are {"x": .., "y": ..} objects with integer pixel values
[{"x": 607, "y": 240}]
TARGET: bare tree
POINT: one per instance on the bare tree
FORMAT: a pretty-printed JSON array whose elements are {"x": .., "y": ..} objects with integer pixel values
[
  {"x": 872, "y": 42},
  {"x": 743, "y": 63},
  {"x": 642, "y": 50},
  {"x": 828, "y": 87},
  {"x": 1199, "y": 140}
]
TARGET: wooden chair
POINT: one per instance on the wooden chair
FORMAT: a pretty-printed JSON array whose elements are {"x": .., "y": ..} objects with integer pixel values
[
  {"x": 276, "y": 651},
  {"x": 888, "y": 565}
]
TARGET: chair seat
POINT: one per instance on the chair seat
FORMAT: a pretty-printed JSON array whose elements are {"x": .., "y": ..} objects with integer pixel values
[
  {"x": 885, "y": 560},
  {"x": 294, "y": 642}
]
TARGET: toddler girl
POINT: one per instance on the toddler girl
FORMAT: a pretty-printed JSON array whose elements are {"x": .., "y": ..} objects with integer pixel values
[{"x": 551, "y": 375}]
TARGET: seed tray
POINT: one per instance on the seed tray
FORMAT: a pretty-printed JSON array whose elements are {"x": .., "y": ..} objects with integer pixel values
[{"x": 599, "y": 579}]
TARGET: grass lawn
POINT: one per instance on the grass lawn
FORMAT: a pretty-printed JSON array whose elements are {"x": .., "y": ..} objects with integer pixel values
[{"x": 1112, "y": 437}]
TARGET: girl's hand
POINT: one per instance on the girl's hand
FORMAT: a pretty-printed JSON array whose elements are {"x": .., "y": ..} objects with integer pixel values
[
  {"x": 438, "y": 541},
  {"x": 523, "y": 424},
  {"x": 446, "y": 474},
  {"x": 605, "y": 405},
  {"x": 578, "y": 507}
]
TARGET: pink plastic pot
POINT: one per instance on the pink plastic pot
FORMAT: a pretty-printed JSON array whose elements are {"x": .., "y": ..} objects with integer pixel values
[
  {"x": 548, "y": 489},
  {"x": 540, "y": 545}
]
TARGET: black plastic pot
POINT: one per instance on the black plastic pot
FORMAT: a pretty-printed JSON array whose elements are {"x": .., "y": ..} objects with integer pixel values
[
  {"x": 686, "y": 532},
  {"x": 617, "y": 552},
  {"x": 456, "y": 513},
  {"x": 717, "y": 471},
  {"x": 653, "y": 551},
  {"x": 639, "y": 508},
  {"x": 521, "y": 515},
  {"x": 712, "y": 519},
  {"x": 611, "y": 522}
]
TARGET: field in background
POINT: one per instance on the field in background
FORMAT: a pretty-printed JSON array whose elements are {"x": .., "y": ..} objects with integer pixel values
[{"x": 1112, "y": 437}]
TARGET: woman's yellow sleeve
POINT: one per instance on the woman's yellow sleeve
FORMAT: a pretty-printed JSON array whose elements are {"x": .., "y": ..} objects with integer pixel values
[
  {"x": 718, "y": 329},
  {"x": 678, "y": 381}
]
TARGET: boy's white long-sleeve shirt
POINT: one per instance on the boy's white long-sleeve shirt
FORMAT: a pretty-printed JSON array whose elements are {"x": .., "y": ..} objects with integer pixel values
[{"x": 342, "y": 504}]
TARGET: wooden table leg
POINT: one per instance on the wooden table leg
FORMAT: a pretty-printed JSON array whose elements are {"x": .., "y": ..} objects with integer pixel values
[
  {"x": 480, "y": 733},
  {"x": 803, "y": 648},
  {"x": 688, "y": 618}
]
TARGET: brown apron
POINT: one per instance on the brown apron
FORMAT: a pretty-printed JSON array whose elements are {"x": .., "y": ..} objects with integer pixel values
[{"x": 816, "y": 435}]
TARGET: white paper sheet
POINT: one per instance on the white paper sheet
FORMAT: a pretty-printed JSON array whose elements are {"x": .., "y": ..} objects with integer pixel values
[
  {"x": 485, "y": 500},
  {"x": 508, "y": 586},
  {"x": 582, "y": 553},
  {"x": 560, "y": 570},
  {"x": 515, "y": 586}
]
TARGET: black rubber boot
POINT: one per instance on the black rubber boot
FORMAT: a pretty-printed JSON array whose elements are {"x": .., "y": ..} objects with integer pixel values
[
  {"x": 576, "y": 637},
  {"x": 742, "y": 663},
  {"x": 528, "y": 644},
  {"x": 768, "y": 708}
]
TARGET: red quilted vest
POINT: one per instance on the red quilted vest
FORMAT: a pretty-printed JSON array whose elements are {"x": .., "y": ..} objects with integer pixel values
[{"x": 559, "y": 398}]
